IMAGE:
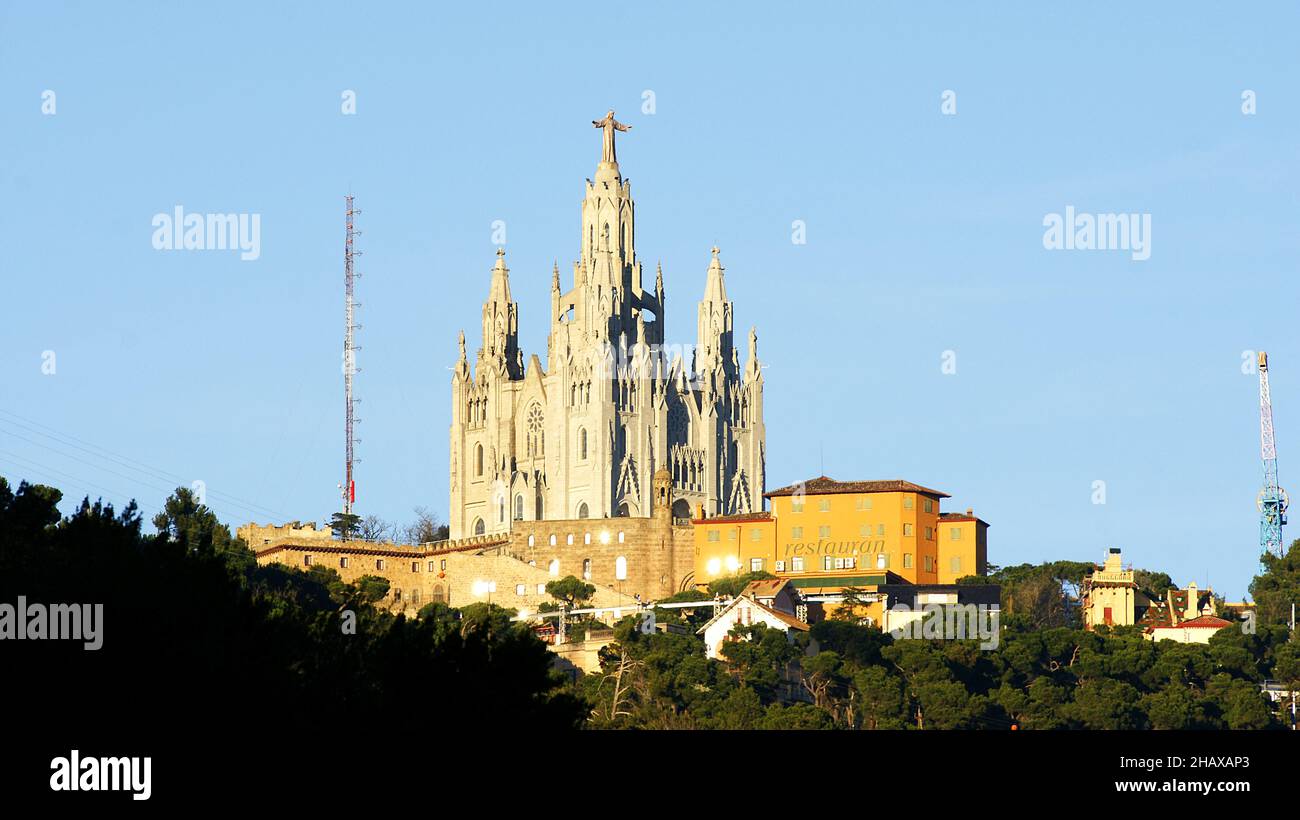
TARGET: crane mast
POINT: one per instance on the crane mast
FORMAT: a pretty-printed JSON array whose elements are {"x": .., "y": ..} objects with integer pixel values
[{"x": 1273, "y": 500}]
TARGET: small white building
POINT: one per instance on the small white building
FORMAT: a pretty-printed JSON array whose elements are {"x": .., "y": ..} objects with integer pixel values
[
  {"x": 747, "y": 609},
  {"x": 1196, "y": 630}
]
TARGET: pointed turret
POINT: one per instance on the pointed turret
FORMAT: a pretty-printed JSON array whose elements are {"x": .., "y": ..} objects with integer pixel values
[
  {"x": 501, "y": 322},
  {"x": 713, "y": 339}
]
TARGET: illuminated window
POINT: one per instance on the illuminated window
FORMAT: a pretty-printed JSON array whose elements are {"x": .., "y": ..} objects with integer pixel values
[
  {"x": 882, "y": 560},
  {"x": 755, "y": 564},
  {"x": 829, "y": 562},
  {"x": 796, "y": 564}
]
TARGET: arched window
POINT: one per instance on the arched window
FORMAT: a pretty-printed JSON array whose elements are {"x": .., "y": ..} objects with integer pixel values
[
  {"x": 586, "y": 569},
  {"x": 501, "y": 510},
  {"x": 536, "y": 433},
  {"x": 478, "y": 459},
  {"x": 554, "y": 566},
  {"x": 582, "y": 510},
  {"x": 620, "y": 568},
  {"x": 519, "y": 507},
  {"x": 582, "y": 444},
  {"x": 479, "y": 527}
]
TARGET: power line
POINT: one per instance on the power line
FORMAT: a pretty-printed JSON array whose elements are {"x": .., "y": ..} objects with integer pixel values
[{"x": 67, "y": 440}]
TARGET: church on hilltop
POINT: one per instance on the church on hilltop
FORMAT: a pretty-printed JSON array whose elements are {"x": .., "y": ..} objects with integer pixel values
[{"x": 616, "y": 412}]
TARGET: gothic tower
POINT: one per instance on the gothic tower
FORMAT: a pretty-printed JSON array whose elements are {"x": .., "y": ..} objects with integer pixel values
[{"x": 618, "y": 423}]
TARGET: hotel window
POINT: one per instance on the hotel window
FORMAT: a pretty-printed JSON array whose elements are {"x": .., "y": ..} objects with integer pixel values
[
  {"x": 882, "y": 560},
  {"x": 824, "y": 505},
  {"x": 829, "y": 563},
  {"x": 796, "y": 532},
  {"x": 907, "y": 560},
  {"x": 907, "y": 530},
  {"x": 755, "y": 564},
  {"x": 343, "y": 562},
  {"x": 908, "y": 502},
  {"x": 929, "y": 505},
  {"x": 306, "y": 560},
  {"x": 956, "y": 563},
  {"x": 824, "y": 532},
  {"x": 586, "y": 569},
  {"x": 415, "y": 566},
  {"x": 379, "y": 563},
  {"x": 714, "y": 536},
  {"x": 521, "y": 589},
  {"x": 796, "y": 564},
  {"x": 780, "y": 566}
]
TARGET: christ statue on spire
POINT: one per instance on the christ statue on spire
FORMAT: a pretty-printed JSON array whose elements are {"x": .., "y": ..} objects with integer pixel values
[{"x": 610, "y": 125}]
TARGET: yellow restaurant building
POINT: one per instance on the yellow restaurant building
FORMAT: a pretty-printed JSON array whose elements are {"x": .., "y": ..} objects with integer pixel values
[{"x": 824, "y": 534}]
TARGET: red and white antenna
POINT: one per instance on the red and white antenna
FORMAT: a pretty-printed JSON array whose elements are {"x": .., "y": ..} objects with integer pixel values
[{"x": 350, "y": 349}]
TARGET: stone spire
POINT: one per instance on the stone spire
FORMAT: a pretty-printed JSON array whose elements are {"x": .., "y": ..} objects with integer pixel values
[
  {"x": 501, "y": 322},
  {"x": 714, "y": 328}
]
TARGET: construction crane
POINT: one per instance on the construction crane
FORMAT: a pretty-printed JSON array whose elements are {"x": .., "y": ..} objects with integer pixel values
[{"x": 1273, "y": 500}]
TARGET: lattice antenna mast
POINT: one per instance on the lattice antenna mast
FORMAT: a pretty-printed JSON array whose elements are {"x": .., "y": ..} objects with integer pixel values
[
  {"x": 1273, "y": 500},
  {"x": 350, "y": 348}
]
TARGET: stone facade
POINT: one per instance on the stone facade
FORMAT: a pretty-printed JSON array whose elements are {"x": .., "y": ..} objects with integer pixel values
[
  {"x": 457, "y": 575},
  {"x": 583, "y": 437}
]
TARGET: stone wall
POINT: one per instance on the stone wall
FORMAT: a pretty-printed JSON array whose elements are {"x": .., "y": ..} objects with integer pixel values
[
  {"x": 417, "y": 576},
  {"x": 659, "y": 556}
]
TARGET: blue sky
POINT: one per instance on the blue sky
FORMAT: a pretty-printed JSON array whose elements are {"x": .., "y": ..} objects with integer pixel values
[{"x": 924, "y": 234}]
